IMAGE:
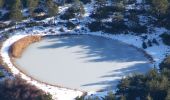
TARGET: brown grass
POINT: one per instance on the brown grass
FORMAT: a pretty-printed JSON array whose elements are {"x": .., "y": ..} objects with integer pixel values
[{"x": 19, "y": 46}]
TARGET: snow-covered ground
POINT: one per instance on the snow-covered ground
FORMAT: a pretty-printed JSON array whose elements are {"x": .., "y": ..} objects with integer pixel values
[{"x": 158, "y": 52}]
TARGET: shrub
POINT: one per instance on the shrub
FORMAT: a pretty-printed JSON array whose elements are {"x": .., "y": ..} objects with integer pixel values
[
  {"x": 105, "y": 11},
  {"x": 165, "y": 38},
  {"x": 154, "y": 84},
  {"x": 1, "y": 74},
  {"x": 17, "y": 89},
  {"x": 144, "y": 45},
  {"x": 86, "y": 1},
  {"x": 110, "y": 96},
  {"x": 5, "y": 17},
  {"x": 149, "y": 43},
  {"x": 165, "y": 63},
  {"x": 155, "y": 41},
  {"x": 70, "y": 25},
  {"x": 139, "y": 29},
  {"x": 61, "y": 30},
  {"x": 76, "y": 10},
  {"x": 95, "y": 26},
  {"x": 114, "y": 27}
]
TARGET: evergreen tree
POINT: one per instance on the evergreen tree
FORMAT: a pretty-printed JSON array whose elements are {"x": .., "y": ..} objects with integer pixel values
[
  {"x": 52, "y": 8},
  {"x": 1, "y": 3},
  {"x": 168, "y": 95},
  {"x": 32, "y": 4},
  {"x": 149, "y": 97},
  {"x": 15, "y": 13},
  {"x": 78, "y": 8},
  {"x": 160, "y": 7},
  {"x": 144, "y": 45},
  {"x": 165, "y": 63},
  {"x": 101, "y": 2}
]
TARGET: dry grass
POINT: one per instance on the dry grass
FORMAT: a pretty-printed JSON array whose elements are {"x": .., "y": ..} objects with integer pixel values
[{"x": 19, "y": 46}]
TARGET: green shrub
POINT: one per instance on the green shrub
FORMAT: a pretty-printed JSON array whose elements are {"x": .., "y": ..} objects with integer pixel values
[
  {"x": 70, "y": 25},
  {"x": 86, "y": 1},
  {"x": 1, "y": 74},
  {"x": 165, "y": 63},
  {"x": 144, "y": 45},
  {"x": 165, "y": 38},
  {"x": 95, "y": 26}
]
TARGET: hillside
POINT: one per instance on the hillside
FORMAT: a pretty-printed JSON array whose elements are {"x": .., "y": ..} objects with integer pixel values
[{"x": 143, "y": 24}]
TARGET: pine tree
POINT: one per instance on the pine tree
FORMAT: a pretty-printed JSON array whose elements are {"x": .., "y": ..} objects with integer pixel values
[
  {"x": 32, "y": 4},
  {"x": 1, "y": 3},
  {"x": 15, "y": 13},
  {"x": 52, "y": 8},
  {"x": 160, "y": 7},
  {"x": 168, "y": 95},
  {"x": 144, "y": 45},
  {"x": 101, "y": 2},
  {"x": 78, "y": 8},
  {"x": 149, "y": 97}
]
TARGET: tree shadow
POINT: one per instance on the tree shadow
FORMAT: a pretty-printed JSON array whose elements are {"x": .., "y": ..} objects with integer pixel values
[{"x": 100, "y": 49}]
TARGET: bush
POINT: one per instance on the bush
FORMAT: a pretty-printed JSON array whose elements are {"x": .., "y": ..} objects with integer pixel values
[
  {"x": 114, "y": 27},
  {"x": 17, "y": 89},
  {"x": 155, "y": 41},
  {"x": 110, "y": 96},
  {"x": 95, "y": 26},
  {"x": 1, "y": 74},
  {"x": 76, "y": 10},
  {"x": 67, "y": 15},
  {"x": 105, "y": 11},
  {"x": 61, "y": 30},
  {"x": 149, "y": 43},
  {"x": 139, "y": 29},
  {"x": 165, "y": 38},
  {"x": 154, "y": 84},
  {"x": 144, "y": 45},
  {"x": 86, "y": 1},
  {"x": 165, "y": 63},
  {"x": 5, "y": 17},
  {"x": 70, "y": 25},
  {"x": 3, "y": 25}
]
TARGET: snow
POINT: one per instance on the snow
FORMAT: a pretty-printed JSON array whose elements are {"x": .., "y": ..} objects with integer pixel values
[
  {"x": 158, "y": 52},
  {"x": 58, "y": 93}
]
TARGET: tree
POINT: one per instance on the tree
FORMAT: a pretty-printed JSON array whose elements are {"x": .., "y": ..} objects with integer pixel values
[
  {"x": 165, "y": 63},
  {"x": 160, "y": 7},
  {"x": 168, "y": 95},
  {"x": 32, "y": 4},
  {"x": 1, "y": 3},
  {"x": 101, "y": 2},
  {"x": 144, "y": 45},
  {"x": 78, "y": 8},
  {"x": 109, "y": 96},
  {"x": 52, "y": 8},
  {"x": 18, "y": 89},
  {"x": 15, "y": 13}
]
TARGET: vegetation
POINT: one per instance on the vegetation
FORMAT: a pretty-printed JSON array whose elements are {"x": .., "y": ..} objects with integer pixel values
[
  {"x": 166, "y": 38},
  {"x": 19, "y": 46},
  {"x": 153, "y": 85},
  {"x": 32, "y": 4},
  {"x": 1, "y": 74},
  {"x": 17, "y": 89},
  {"x": 15, "y": 13},
  {"x": 76, "y": 10}
]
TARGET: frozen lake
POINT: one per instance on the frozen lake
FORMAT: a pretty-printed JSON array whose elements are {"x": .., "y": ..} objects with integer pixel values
[{"x": 83, "y": 62}]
